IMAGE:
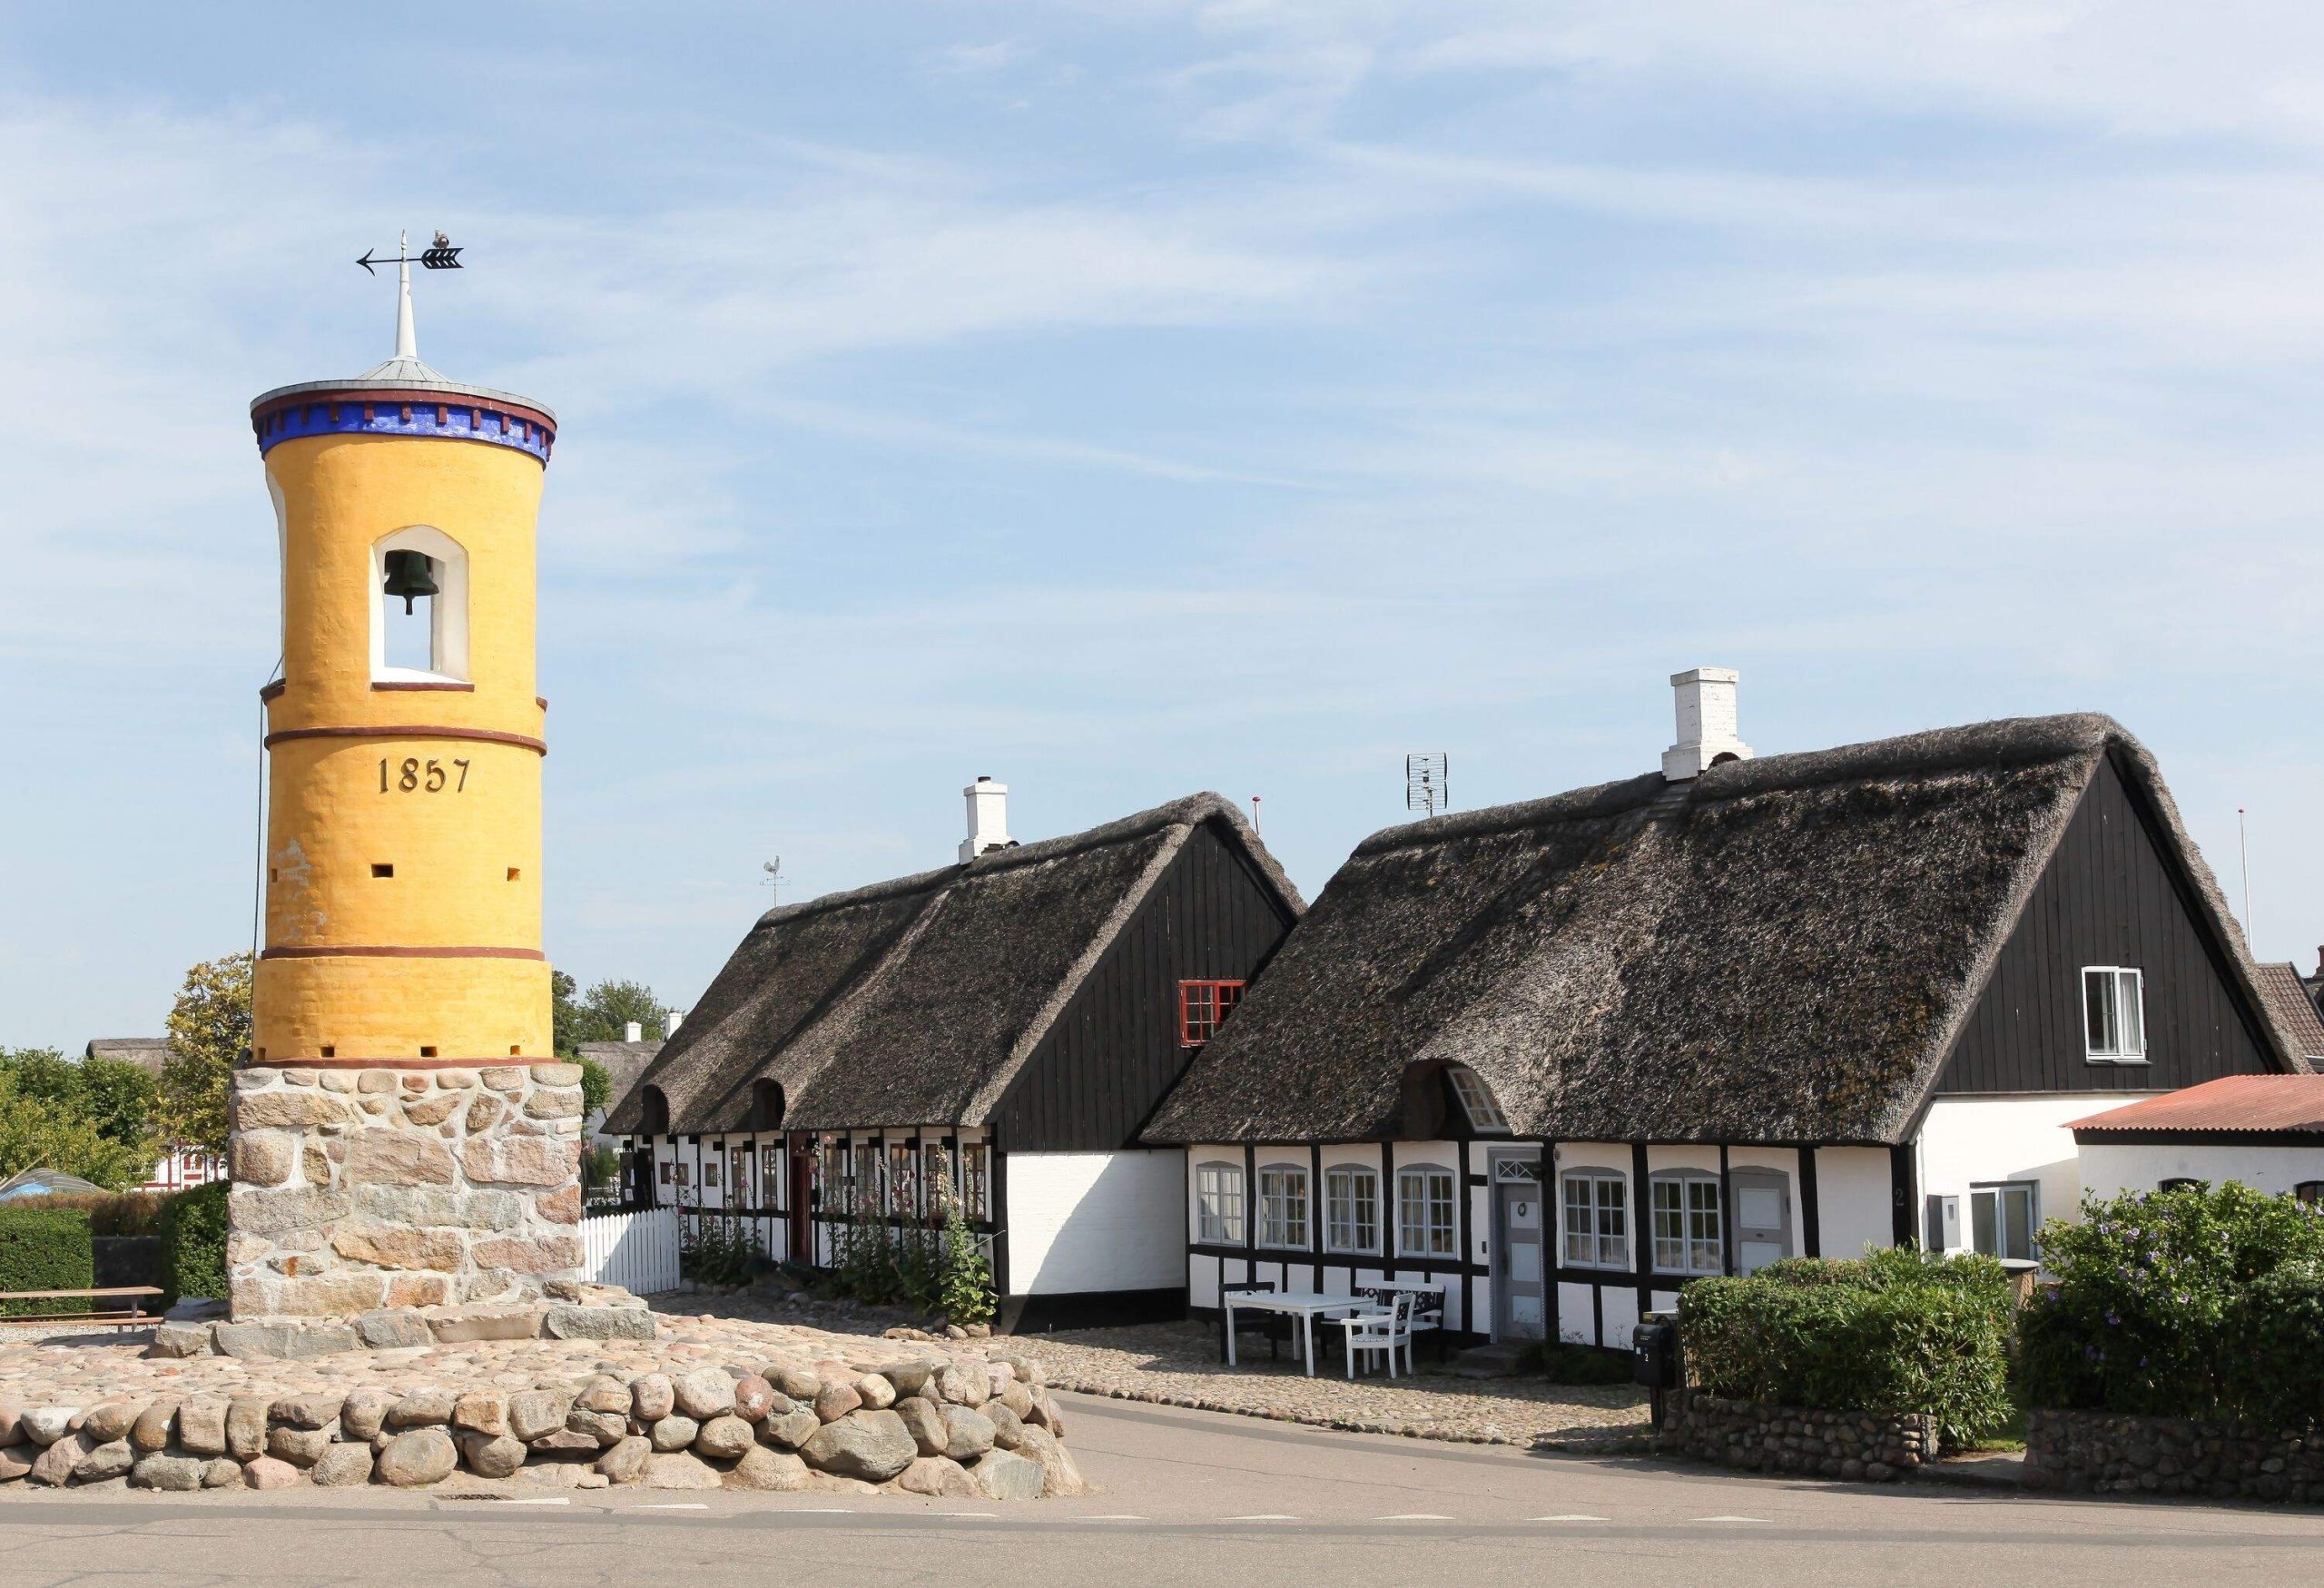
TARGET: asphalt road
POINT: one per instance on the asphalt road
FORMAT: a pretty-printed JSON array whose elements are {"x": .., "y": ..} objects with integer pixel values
[{"x": 1186, "y": 1497}]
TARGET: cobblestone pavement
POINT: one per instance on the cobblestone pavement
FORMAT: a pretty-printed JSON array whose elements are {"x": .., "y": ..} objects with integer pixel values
[{"x": 1176, "y": 1364}]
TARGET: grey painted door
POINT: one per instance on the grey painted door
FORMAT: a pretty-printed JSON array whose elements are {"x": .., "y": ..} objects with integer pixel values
[
  {"x": 1520, "y": 1295},
  {"x": 1762, "y": 1217}
]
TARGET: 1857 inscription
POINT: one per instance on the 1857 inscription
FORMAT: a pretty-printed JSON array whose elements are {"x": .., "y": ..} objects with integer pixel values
[{"x": 413, "y": 775}]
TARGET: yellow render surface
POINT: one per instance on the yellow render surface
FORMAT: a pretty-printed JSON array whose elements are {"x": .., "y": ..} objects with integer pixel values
[
  {"x": 470, "y": 1010},
  {"x": 449, "y": 818}
]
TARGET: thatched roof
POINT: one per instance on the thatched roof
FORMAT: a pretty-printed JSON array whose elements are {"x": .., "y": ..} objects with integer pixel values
[
  {"x": 918, "y": 1001},
  {"x": 1781, "y": 949},
  {"x": 623, "y": 1063},
  {"x": 148, "y": 1053}
]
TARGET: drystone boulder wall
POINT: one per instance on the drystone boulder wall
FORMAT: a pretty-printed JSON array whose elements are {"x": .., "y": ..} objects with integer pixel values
[
  {"x": 951, "y": 1432},
  {"x": 2107, "y": 1453},
  {"x": 1871, "y": 1446},
  {"x": 357, "y": 1190}
]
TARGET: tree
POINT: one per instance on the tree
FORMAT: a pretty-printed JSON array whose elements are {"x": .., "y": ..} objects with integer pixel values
[
  {"x": 60, "y": 1115},
  {"x": 210, "y": 1029},
  {"x": 597, "y": 1087},
  {"x": 601, "y": 1014}
]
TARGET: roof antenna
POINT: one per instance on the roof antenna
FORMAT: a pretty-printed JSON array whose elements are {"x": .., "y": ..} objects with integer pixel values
[
  {"x": 1427, "y": 788},
  {"x": 1255, "y": 815},
  {"x": 774, "y": 879},
  {"x": 2243, "y": 840}
]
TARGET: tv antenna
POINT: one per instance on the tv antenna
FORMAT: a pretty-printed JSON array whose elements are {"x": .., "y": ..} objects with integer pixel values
[
  {"x": 1426, "y": 788},
  {"x": 774, "y": 878}
]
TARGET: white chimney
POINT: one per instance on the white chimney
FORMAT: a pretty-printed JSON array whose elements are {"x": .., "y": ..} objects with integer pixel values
[
  {"x": 1706, "y": 724},
  {"x": 633, "y": 1033},
  {"x": 670, "y": 1019},
  {"x": 987, "y": 819}
]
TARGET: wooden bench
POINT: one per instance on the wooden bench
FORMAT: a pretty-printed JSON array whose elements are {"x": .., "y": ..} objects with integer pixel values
[{"x": 135, "y": 1318}]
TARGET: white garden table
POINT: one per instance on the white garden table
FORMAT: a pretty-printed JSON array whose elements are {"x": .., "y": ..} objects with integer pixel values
[{"x": 1306, "y": 1305}]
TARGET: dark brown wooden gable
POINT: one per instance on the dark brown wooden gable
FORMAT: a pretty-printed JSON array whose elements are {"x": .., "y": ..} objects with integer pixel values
[
  {"x": 2111, "y": 896},
  {"x": 1115, "y": 1051}
]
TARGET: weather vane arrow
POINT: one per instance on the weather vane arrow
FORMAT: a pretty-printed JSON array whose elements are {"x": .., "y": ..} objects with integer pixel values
[{"x": 442, "y": 256}]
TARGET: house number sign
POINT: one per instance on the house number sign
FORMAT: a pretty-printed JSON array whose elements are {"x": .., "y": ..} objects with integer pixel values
[{"x": 414, "y": 775}]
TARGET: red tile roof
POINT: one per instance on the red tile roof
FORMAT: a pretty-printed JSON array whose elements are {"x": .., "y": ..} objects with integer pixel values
[
  {"x": 2234, "y": 1103},
  {"x": 2288, "y": 1001}
]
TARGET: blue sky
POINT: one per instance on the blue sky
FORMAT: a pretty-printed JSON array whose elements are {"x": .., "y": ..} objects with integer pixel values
[{"x": 1130, "y": 399}]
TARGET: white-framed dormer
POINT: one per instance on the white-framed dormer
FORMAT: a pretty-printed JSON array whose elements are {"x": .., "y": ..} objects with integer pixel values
[
  {"x": 448, "y": 609},
  {"x": 2114, "y": 1014}
]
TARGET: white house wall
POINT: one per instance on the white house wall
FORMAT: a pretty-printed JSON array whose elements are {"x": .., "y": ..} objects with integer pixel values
[
  {"x": 1854, "y": 1200},
  {"x": 1979, "y": 1140},
  {"x": 1085, "y": 1222},
  {"x": 2108, "y": 1169}
]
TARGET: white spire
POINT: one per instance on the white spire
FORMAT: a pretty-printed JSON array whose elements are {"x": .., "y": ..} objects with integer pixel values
[{"x": 407, "y": 343}]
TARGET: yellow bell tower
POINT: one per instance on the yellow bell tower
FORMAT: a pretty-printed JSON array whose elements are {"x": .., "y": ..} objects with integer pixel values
[{"x": 403, "y": 849}]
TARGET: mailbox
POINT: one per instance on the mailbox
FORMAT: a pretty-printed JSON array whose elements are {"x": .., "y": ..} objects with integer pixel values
[{"x": 1654, "y": 1353}]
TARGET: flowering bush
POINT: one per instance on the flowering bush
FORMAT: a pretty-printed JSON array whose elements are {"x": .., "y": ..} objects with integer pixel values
[
  {"x": 1892, "y": 1331},
  {"x": 2154, "y": 1311}
]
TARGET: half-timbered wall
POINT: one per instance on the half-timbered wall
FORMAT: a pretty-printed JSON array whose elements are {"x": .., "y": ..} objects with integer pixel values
[{"x": 2108, "y": 897}]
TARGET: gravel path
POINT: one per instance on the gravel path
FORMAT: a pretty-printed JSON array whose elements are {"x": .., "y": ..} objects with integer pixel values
[{"x": 1176, "y": 1364}]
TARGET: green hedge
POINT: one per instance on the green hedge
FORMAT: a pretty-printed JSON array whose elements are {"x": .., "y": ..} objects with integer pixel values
[
  {"x": 1892, "y": 1331},
  {"x": 194, "y": 1242},
  {"x": 2163, "y": 1302},
  {"x": 43, "y": 1249}
]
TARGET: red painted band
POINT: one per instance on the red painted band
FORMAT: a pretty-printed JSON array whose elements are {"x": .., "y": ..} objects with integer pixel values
[
  {"x": 273, "y": 690},
  {"x": 411, "y": 731},
  {"x": 461, "y": 688},
  {"x": 333, "y": 951}
]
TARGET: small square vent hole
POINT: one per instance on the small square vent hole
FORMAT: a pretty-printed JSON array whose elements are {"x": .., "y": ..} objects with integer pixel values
[{"x": 383, "y": 871}]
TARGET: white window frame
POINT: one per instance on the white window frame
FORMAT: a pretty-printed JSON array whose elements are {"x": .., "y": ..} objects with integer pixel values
[
  {"x": 1993, "y": 1193},
  {"x": 1283, "y": 1206},
  {"x": 1608, "y": 1236},
  {"x": 1693, "y": 1223},
  {"x": 2115, "y": 1045},
  {"x": 1351, "y": 1209},
  {"x": 1435, "y": 1239},
  {"x": 1477, "y": 1100},
  {"x": 1218, "y": 1203}
]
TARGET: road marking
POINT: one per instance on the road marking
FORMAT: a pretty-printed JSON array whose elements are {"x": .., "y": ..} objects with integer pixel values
[
  {"x": 1727, "y": 1519},
  {"x": 1114, "y": 1517},
  {"x": 986, "y": 1515},
  {"x": 1265, "y": 1517},
  {"x": 677, "y": 1506},
  {"x": 822, "y": 1510},
  {"x": 1413, "y": 1517},
  {"x": 1567, "y": 1516},
  {"x": 512, "y": 1500}
]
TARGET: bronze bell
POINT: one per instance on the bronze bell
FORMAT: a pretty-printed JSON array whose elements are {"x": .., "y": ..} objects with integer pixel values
[{"x": 410, "y": 574}]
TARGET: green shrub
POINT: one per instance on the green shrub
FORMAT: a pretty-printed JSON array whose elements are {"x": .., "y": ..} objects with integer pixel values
[
  {"x": 1559, "y": 1362},
  {"x": 2274, "y": 1374},
  {"x": 714, "y": 1249},
  {"x": 2139, "y": 1320},
  {"x": 117, "y": 1212},
  {"x": 193, "y": 1243},
  {"x": 1889, "y": 1332},
  {"x": 43, "y": 1249}
]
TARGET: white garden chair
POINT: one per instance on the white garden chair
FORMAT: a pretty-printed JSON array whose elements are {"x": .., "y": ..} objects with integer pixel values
[{"x": 1388, "y": 1330}]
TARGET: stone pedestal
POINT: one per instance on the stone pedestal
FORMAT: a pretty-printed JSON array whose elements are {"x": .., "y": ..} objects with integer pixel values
[{"x": 363, "y": 1188}]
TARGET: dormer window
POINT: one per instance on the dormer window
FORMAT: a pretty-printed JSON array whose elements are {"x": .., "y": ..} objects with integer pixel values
[
  {"x": 419, "y": 608},
  {"x": 1477, "y": 1100},
  {"x": 2114, "y": 1014},
  {"x": 1202, "y": 1007}
]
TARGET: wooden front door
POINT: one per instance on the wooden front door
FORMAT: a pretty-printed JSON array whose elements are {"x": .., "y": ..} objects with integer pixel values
[
  {"x": 1520, "y": 1290},
  {"x": 800, "y": 1203}
]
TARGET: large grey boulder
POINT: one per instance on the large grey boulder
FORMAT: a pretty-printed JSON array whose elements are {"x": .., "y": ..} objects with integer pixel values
[
  {"x": 703, "y": 1393},
  {"x": 626, "y": 1462},
  {"x": 1003, "y": 1475},
  {"x": 939, "y": 1477},
  {"x": 968, "y": 1433},
  {"x": 491, "y": 1456},
  {"x": 1060, "y": 1477},
  {"x": 724, "y": 1438},
  {"x": 172, "y": 1473},
  {"x": 924, "y": 1420},
  {"x": 672, "y": 1433},
  {"x": 681, "y": 1469},
  {"x": 342, "y": 1466},
  {"x": 769, "y": 1471},
  {"x": 872, "y": 1446},
  {"x": 534, "y": 1413},
  {"x": 417, "y": 1457}
]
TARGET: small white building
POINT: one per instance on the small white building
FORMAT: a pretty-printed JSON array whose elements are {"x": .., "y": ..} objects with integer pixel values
[
  {"x": 1558, "y": 1058},
  {"x": 2264, "y": 1131}
]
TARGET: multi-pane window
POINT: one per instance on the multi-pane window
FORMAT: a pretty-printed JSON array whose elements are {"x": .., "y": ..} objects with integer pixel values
[
  {"x": 2309, "y": 1193},
  {"x": 1351, "y": 1209},
  {"x": 1283, "y": 1205},
  {"x": 1424, "y": 1212},
  {"x": 903, "y": 1185},
  {"x": 1688, "y": 1237},
  {"x": 1596, "y": 1220},
  {"x": 771, "y": 1177},
  {"x": 868, "y": 1198},
  {"x": 1218, "y": 1203},
  {"x": 976, "y": 1160},
  {"x": 2002, "y": 1219},
  {"x": 2113, "y": 1013},
  {"x": 1476, "y": 1100},
  {"x": 936, "y": 1179},
  {"x": 838, "y": 1187},
  {"x": 1202, "y": 1005}
]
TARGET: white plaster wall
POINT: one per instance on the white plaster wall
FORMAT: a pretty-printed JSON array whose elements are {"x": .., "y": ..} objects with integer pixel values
[
  {"x": 1576, "y": 1320},
  {"x": 1620, "y": 1304},
  {"x": 1081, "y": 1221},
  {"x": 1202, "y": 1281},
  {"x": 1967, "y": 1141},
  {"x": 1853, "y": 1199},
  {"x": 2109, "y": 1170}
]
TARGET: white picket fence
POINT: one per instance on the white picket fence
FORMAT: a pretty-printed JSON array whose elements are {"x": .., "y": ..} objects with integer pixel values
[{"x": 638, "y": 1251}]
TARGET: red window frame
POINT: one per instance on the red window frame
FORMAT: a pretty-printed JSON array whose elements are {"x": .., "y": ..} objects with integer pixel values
[{"x": 1204, "y": 1005}]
